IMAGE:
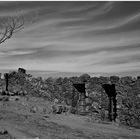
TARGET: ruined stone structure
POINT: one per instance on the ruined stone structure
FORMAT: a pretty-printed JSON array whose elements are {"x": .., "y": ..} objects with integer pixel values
[
  {"x": 82, "y": 102},
  {"x": 21, "y": 70},
  {"x": 6, "y": 75},
  {"x": 111, "y": 92}
]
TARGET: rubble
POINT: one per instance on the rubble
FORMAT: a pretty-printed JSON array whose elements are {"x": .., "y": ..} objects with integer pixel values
[
  {"x": 4, "y": 98},
  {"x": 59, "y": 109},
  {"x": 14, "y": 98},
  {"x": 33, "y": 109},
  {"x": 21, "y": 70},
  {"x": 3, "y": 131}
]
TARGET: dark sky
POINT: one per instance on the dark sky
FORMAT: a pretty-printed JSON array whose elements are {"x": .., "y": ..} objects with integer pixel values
[{"x": 94, "y": 36}]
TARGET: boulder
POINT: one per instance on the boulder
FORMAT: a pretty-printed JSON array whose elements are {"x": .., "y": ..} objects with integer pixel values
[
  {"x": 5, "y": 98},
  {"x": 1, "y": 98},
  {"x": 1, "y": 91},
  {"x": 14, "y": 98},
  {"x": 6, "y": 92},
  {"x": 54, "y": 109},
  {"x": 33, "y": 109},
  {"x": 138, "y": 95},
  {"x": 58, "y": 109},
  {"x": 11, "y": 93},
  {"x": 3, "y": 131},
  {"x": 21, "y": 92},
  {"x": 88, "y": 101}
]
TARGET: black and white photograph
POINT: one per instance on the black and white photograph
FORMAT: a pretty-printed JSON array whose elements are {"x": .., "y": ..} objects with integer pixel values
[{"x": 69, "y": 69}]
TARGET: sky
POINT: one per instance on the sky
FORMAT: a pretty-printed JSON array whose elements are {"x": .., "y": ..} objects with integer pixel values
[{"x": 77, "y": 37}]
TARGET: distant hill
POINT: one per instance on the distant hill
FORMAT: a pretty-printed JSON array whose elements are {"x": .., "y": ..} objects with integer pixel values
[{"x": 46, "y": 74}]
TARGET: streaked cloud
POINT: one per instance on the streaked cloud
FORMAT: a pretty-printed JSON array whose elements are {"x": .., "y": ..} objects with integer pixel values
[{"x": 92, "y": 36}]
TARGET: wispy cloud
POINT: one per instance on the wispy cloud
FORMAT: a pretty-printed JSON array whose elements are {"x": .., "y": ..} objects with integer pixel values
[{"x": 98, "y": 37}]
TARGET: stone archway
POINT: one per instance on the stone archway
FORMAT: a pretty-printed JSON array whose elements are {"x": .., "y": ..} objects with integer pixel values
[
  {"x": 82, "y": 103},
  {"x": 112, "y": 107}
]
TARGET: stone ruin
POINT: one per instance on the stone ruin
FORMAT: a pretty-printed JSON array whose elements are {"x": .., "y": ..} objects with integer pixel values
[
  {"x": 59, "y": 108},
  {"x": 21, "y": 70},
  {"x": 112, "y": 107},
  {"x": 6, "y": 92},
  {"x": 82, "y": 102},
  {"x": 110, "y": 91},
  {"x": 83, "y": 99}
]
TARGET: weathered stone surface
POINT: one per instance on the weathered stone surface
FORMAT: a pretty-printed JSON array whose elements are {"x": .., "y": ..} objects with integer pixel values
[
  {"x": 88, "y": 101},
  {"x": 14, "y": 98},
  {"x": 21, "y": 70},
  {"x": 4, "y": 98},
  {"x": 11, "y": 93},
  {"x": 3, "y": 131},
  {"x": 33, "y": 109}
]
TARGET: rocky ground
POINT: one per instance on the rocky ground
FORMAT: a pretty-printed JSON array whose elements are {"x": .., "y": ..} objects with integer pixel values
[{"x": 30, "y": 117}]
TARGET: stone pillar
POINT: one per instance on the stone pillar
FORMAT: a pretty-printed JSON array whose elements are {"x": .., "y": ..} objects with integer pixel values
[
  {"x": 6, "y": 81},
  {"x": 82, "y": 103},
  {"x": 114, "y": 108},
  {"x": 110, "y": 109},
  {"x": 111, "y": 92}
]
